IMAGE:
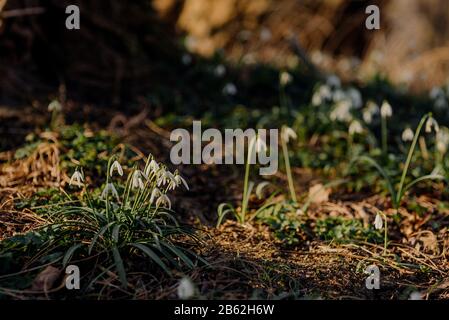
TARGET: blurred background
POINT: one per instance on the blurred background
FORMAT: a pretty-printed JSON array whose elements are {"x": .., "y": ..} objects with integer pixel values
[{"x": 125, "y": 50}]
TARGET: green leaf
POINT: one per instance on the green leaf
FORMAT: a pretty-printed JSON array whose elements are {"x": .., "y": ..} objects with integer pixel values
[{"x": 150, "y": 253}]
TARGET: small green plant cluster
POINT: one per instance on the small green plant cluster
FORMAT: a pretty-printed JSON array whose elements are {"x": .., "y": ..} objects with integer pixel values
[{"x": 346, "y": 230}]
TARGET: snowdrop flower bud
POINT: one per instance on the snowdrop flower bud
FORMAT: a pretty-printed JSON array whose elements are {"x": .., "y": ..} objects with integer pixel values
[
  {"x": 342, "y": 111},
  {"x": 385, "y": 110},
  {"x": 163, "y": 200},
  {"x": 186, "y": 289},
  {"x": 288, "y": 133},
  {"x": 432, "y": 123},
  {"x": 152, "y": 167},
  {"x": 76, "y": 179},
  {"x": 407, "y": 135},
  {"x": 378, "y": 222},
  {"x": 322, "y": 95},
  {"x": 54, "y": 106},
  {"x": 415, "y": 295},
  {"x": 285, "y": 78},
  {"x": 355, "y": 127},
  {"x": 109, "y": 189},
  {"x": 116, "y": 166}
]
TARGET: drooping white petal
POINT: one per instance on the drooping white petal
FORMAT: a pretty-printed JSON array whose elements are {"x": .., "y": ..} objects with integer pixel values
[
  {"x": 407, "y": 135},
  {"x": 116, "y": 166},
  {"x": 378, "y": 222},
  {"x": 385, "y": 110},
  {"x": 355, "y": 128},
  {"x": 76, "y": 179},
  {"x": 288, "y": 133}
]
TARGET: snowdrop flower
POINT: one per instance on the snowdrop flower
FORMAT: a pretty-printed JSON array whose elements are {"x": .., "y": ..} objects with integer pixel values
[
  {"x": 116, "y": 166},
  {"x": 186, "y": 289},
  {"x": 285, "y": 78},
  {"x": 76, "y": 179},
  {"x": 155, "y": 194},
  {"x": 109, "y": 189},
  {"x": 355, "y": 127},
  {"x": 355, "y": 97},
  {"x": 432, "y": 123},
  {"x": 322, "y": 95},
  {"x": 370, "y": 110},
  {"x": 165, "y": 177},
  {"x": 180, "y": 180},
  {"x": 137, "y": 181},
  {"x": 152, "y": 167},
  {"x": 230, "y": 89},
  {"x": 288, "y": 133},
  {"x": 163, "y": 200},
  {"x": 220, "y": 70},
  {"x": 442, "y": 140},
  {"x": 54, "y": 106},
  {"x": 378, "y": 222},
  {"x": 385, "y": 110},
  {"x": 407, "y": 135},
  {"x": 339, "y": 95},
  {"x": 342, "y": 111},
  {"x": 333, "y": 81}
]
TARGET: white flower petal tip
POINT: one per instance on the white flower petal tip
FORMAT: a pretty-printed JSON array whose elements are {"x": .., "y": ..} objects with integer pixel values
[
  {"x": 163, "y": 201},
  {"x": 116, "y": 166},
  {"x": 180, "y": 180},
  {"x": 378, "y": 222},
  {"x": 285, "y": 78}
]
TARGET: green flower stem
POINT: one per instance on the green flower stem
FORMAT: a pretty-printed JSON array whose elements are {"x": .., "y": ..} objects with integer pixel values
[
  {"x": 384, "y": 136},
  {"x": 288, "y": 170},
  {"x": 385, "y": 234},
  {"x": 246, "y": 181},
  {"x": 399, "y": 194}
]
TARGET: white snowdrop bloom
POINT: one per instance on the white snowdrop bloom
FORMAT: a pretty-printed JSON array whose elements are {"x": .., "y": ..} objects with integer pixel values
[
  {"x": 285, "y": 78},
  {"x": 230, "y": 89},
  {"x": 155, "y": 194},
  {"x": 415, "y": 295},
  {"x": 165, "y": 177},
  {"x": 442, "y": 140},
  {"x": 355, "y": 97},
  {"x": 369, "y": 111},
  {"x": 333, "y": 81},
  {"x": 407, "y": 135},
  {"x": 321, "y": 95},
  {"x": 137, "y": 181},
  {"x": 385, "y": 110},
  {"x": 341, "y": 112},
  {"x": 163, "y": 200},
  {"x": 180, "y": 180},
  {"x": 116, "y": 166},
  {"x": 152, "y": 168},
  {"x": 54, "y": 106},
  {"x": 355, "y": 128},
  {"x": 288, "y": 133},
  {"x": 339, "y": 95},
  {"x": 432, "y": 123},
  {"x": 76, "y": 179},
  {"x": 109, "y": 189},
  {"x": 378, "y": 222},
  {"x": 220, "y": 70},
  {"x": 186, "y": 289}
]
